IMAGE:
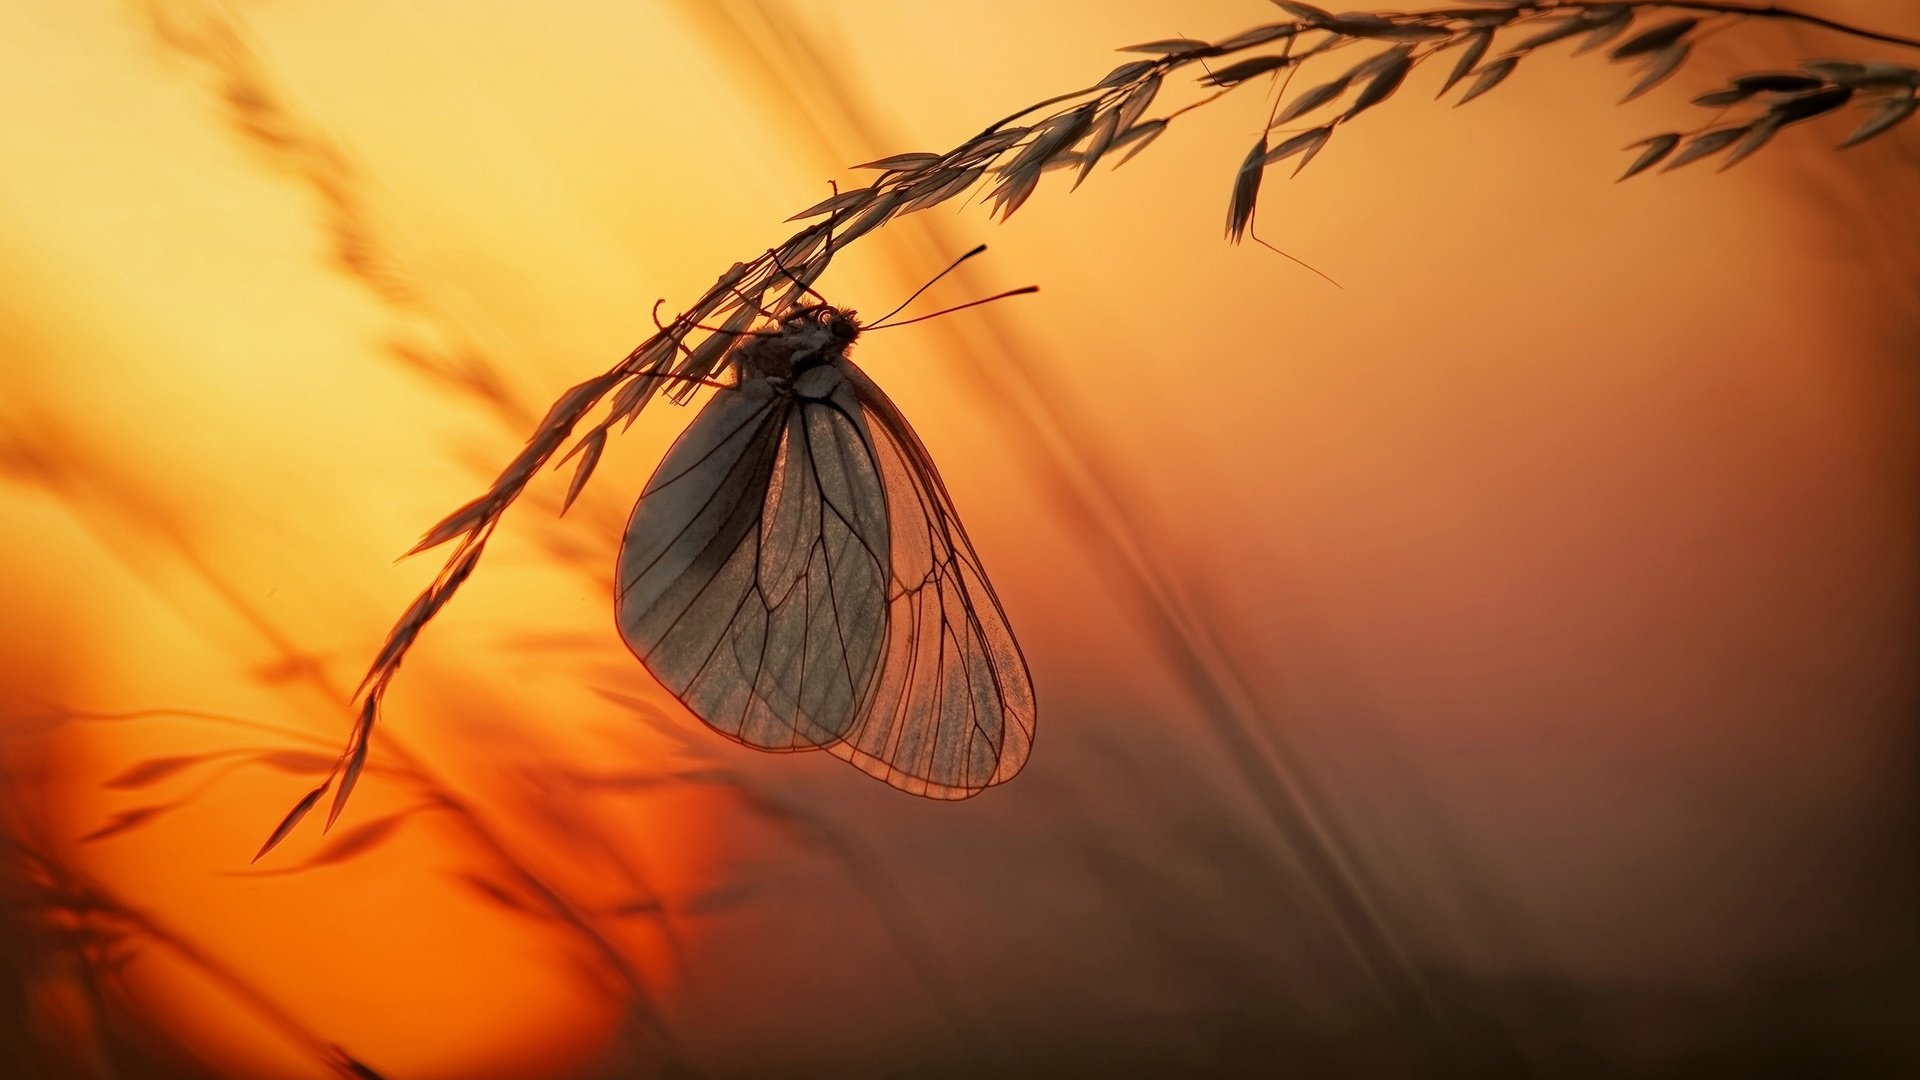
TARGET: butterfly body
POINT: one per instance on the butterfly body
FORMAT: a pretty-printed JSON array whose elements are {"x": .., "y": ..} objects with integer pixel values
[
  {"x": 809, "y": 338},
  {"x": 795, "y": 574}
]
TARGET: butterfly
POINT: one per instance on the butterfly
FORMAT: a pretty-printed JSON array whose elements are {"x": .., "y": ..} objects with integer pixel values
[{"x": 796, "y": 575}]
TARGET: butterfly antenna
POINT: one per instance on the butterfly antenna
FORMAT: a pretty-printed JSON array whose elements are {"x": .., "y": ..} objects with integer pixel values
[
  {"x": 877, "y": 323},
  {"x": 1022, "y": 291}
]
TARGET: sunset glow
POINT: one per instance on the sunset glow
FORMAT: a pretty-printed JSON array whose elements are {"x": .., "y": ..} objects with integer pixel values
[{"x": 1527, "y": 622}]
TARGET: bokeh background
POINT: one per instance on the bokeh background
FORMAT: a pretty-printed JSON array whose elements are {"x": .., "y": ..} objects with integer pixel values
[{"x": 1504, "y": 664}]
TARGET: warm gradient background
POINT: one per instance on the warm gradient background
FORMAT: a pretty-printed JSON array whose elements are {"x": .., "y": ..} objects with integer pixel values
[{"x": 1506, "y": 663}]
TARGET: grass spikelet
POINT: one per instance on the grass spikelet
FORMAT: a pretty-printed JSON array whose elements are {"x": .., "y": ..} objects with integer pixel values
[{"x": 1107, "y": 120}]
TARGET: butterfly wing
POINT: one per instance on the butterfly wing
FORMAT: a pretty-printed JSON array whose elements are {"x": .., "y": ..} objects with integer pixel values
[
  {"x": 951, "y": 711},
  {"x": 752, "y": 576}
]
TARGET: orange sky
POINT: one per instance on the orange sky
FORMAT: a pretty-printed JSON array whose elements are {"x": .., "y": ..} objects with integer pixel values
[{"x": 1563, "y": 558}]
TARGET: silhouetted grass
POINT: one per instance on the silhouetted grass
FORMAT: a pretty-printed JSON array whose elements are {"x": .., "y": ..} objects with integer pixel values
[
  {"x": 1109, "y": 121},
  {"x": 1112, "y": 117}
]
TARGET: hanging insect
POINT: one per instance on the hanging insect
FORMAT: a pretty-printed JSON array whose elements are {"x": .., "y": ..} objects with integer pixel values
[{"x": 795, "y": 574}]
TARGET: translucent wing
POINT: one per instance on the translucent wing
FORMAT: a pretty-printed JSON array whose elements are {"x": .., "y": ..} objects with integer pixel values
[
  {"x": 951, "y": 710},
  {"x": 752, "y": 575}
]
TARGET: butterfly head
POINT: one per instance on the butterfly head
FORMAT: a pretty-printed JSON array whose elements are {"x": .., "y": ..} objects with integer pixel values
[
  {"x": 841, "y": 327},
  {"x": 807, "y": 338}
]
